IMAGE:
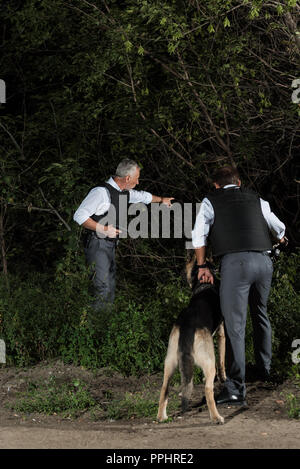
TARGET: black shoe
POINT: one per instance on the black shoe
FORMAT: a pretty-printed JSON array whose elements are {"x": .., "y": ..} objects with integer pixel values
[
  {"x": 253, "y": 374},
  {"x": 225, "y": 397},
  {"x": 264, "y": 376}
]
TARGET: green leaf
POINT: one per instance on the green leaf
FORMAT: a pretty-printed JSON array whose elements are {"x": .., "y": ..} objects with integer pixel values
[
  {"x": 128, "y": 46},
  {"x": 279, "y": 9},
  {"x": 227, "y": 23}
]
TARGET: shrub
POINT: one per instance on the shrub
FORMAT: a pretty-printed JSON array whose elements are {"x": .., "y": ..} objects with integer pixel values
[
  {"x": 136, "y": 339},
  {"x": 284, "y": 310},
  {"x": 41, "y": 318},
  {"x": 38, "y": 310}
]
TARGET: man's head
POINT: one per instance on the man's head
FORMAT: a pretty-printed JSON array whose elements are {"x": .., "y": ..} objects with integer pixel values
[
  {"x": 226, "y": 175},
  {"x": 127, "y": 174}
]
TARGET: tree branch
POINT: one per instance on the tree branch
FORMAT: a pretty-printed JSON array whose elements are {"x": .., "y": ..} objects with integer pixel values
[{"x": 55, "y": 211}]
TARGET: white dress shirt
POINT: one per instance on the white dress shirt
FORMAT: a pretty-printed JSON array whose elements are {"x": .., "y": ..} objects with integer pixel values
[
  {"x": 98, "y": 201},
  {"x": 206, "y": 216}
]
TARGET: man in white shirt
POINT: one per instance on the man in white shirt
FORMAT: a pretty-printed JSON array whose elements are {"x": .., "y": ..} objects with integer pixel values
[
  {"x": 237, "y": 223},
  {"x": 110, "y": 198}
]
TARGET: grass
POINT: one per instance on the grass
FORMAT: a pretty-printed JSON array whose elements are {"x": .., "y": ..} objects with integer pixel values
[
  {"x": 72, "y": 399},
  {"x": 67, "y": 399},
  {"x": 292, "y": 400},
  {"x": 134, "y": 405},
  {"x": 293, "y": 406}
]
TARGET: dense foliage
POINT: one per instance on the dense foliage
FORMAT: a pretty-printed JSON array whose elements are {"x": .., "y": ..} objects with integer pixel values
[
  {"x": 43, "y": 320},
  {"x": 180, "y": 86}
]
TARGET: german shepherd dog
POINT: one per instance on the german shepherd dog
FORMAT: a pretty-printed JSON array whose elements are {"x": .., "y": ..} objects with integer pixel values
[{"x": 191, "y": 342}]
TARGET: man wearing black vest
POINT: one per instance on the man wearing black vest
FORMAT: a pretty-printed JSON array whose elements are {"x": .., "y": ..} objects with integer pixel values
[
  {"x": 101, "y": 213},
  {"x": 238, "y": 224}
]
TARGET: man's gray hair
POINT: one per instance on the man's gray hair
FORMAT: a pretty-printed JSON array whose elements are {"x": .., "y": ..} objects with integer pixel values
[{"x": 126, "y": 168}]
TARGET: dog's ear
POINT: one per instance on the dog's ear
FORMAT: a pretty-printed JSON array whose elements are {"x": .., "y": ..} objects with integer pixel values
[{"x": 189, "y": 266}]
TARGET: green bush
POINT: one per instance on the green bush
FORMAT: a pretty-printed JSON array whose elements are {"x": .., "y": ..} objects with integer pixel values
[
  {"x": 284, "y": 309},
  {"x": 133, "y": 341},
  {"x": 37, "y": 311},
  {"x": 137, "y": 334},
  {"x": 78, "y": 345},
  {"x": 42, "y": 318},
  {"x": 30, "y": 319}
]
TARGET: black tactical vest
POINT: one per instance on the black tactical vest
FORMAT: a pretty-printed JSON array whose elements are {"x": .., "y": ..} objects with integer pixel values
[
  {"x": 239, "y": 224},
  {"x": 119, "y": 201}
]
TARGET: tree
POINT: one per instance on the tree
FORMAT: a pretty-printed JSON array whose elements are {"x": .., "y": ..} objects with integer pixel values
[{"x": 179, "y": 86}]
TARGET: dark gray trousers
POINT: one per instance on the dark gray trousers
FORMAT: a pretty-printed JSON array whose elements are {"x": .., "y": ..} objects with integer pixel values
[
  {"x": 100, "y": 255},
  {"x": 245, "y": 279}
]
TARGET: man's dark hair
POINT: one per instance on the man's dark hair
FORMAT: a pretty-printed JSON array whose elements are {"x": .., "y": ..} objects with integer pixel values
[{"x": 226, "y": 175}]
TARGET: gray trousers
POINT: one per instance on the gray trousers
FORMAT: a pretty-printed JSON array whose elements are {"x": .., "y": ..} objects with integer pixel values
[
  {"x": 245, "y": 279},
  {"x": 100, "y": 255}
]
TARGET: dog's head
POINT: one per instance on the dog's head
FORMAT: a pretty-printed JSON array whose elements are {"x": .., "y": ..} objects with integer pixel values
[{"x": 192, "y": 273}]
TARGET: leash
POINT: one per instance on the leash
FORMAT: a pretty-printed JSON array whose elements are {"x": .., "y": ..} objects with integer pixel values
[{"x": 278, "y": 249}]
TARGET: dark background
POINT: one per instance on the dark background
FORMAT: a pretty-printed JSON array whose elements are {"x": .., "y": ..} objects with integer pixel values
[{"x": 181, "y": 87}]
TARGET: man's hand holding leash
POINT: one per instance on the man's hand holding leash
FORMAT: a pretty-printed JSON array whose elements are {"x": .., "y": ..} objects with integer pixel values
[
  {"x": 204, "y": 273},
  {"x": 279, "y": 247}
]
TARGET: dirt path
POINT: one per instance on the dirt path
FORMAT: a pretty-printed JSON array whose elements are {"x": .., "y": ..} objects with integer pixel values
[
  {"x": 264, "y": 424},
  {"x": 195, "y": 433}
]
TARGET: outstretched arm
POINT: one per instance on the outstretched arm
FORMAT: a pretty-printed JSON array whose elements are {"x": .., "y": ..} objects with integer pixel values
[{"x": 163, "y": 200}]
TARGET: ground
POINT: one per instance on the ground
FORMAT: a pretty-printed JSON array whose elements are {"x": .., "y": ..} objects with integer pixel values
[{"x": 118, "y": 417}]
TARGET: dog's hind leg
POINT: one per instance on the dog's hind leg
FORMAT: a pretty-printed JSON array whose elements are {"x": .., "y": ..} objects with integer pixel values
[
  {"x": 171, "y": 363},
  {"x": 205, "y": 359},
  {"x": 221, "y": 353}
]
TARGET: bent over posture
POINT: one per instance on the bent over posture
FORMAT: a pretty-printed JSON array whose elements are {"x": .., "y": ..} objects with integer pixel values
[{"x": 238, "y": 224}]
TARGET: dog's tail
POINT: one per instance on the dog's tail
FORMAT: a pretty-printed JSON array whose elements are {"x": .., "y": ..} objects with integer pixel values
[
  {"x": 186, "y": 340},
  {"x": 186, "y": 363}
]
